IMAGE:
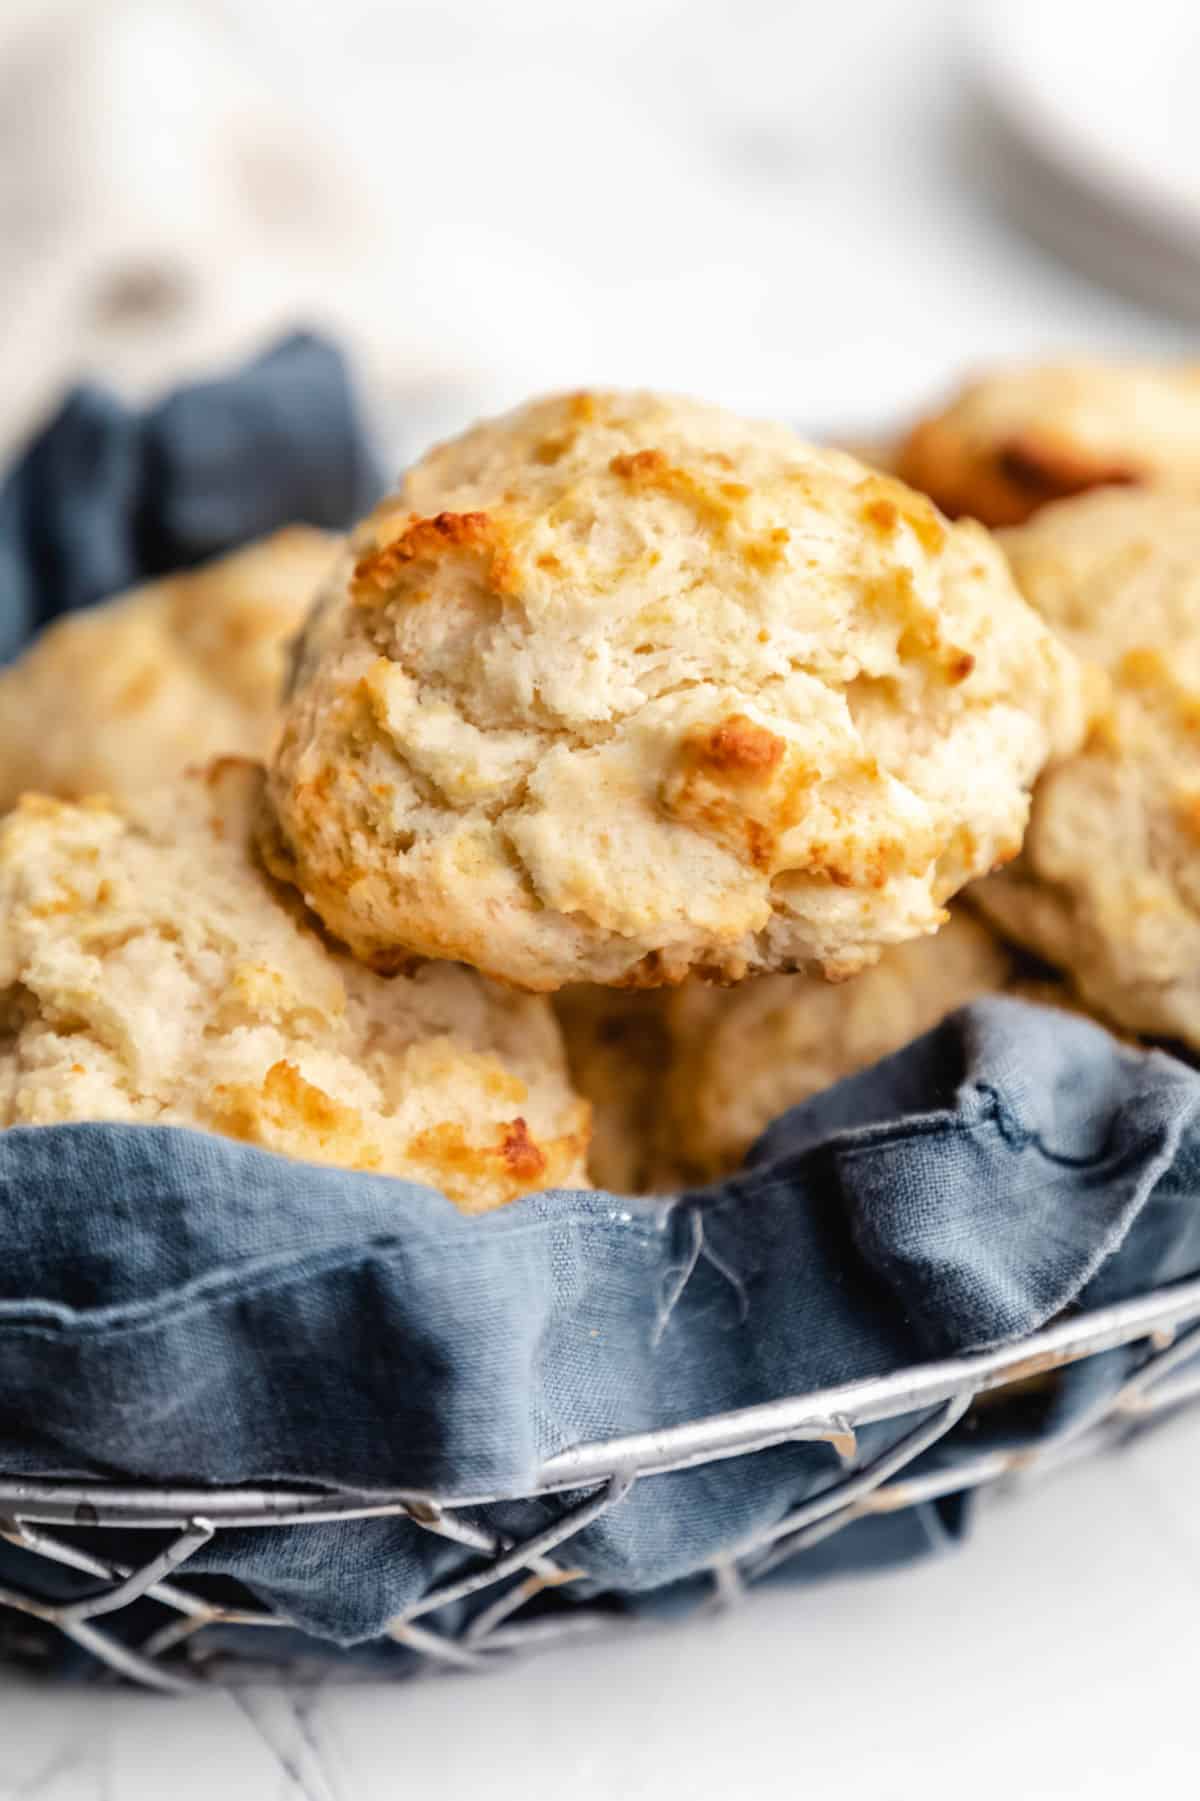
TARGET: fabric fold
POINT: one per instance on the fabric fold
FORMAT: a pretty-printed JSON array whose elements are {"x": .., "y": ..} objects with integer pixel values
[{"x": 179, "y": 1308}]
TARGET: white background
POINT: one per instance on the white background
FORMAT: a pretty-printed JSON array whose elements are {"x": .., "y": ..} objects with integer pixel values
[{"x": 773, "y": 205}]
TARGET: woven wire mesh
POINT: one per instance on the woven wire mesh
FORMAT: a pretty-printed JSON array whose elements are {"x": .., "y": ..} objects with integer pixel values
[{"x": 929, "y": 1399}]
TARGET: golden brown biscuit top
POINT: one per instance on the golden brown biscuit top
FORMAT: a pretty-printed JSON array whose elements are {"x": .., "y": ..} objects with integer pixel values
[{"x": 622, "y": 686}]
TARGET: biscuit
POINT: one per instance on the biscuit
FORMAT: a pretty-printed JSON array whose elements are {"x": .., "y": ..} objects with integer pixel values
[
  {"x": 1108, "y": 884},
  {"x": 121, "y": 697},
  {"x": 741, "y": 1057},
  {"x": 150, "y": 971},
  {"x": 682, "y": 1082},
  {"x": 621, "y": 687},
  {"x": 1012, "y": 441}
]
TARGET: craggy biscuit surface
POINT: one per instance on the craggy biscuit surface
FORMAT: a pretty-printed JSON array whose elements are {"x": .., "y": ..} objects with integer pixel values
[
  {"x": 622, "y": 686},
  {"x": 1108, "y": 884},
  {"x": 120, "y": 697},
  {"x": 150, "y": 971},
  {"x": 1016, "y": 439}
]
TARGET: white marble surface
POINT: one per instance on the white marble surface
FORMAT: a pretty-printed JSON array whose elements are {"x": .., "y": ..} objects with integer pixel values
[
  {"x": 769, "y": 204},
  {"x": 1055, "y": 1657}
]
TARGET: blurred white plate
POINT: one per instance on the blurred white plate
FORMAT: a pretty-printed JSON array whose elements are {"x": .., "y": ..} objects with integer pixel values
[{"x": 1103, "y": 98}]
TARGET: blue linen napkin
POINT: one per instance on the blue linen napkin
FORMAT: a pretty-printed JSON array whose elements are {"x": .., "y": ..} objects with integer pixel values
[{"x": 108, "y": 494}]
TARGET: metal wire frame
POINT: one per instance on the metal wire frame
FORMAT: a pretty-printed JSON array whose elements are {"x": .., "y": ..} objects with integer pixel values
[{"x": 1165, "y": 1324}]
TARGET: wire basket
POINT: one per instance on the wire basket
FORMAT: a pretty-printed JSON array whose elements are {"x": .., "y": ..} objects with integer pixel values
[{"x": 1164, "y": 1325}]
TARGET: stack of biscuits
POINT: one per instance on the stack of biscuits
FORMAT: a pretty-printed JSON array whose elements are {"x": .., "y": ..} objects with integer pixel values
[{"x": 632, "y": 773}]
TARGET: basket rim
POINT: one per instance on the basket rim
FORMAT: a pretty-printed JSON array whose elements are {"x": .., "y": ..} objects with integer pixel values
[{"x": 829, "y": 1415}]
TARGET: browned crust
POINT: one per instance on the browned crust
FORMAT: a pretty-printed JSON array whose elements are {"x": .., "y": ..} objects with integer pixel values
[
  {"x": 1006, "y": 483},
  {"x": 888, "y": 506},
  {"x": 723, "y": 786},
  {"x": 1187, "y": 814},
  {"x": 744, "y": 787},
  {"x": 717, "y": 506},
  {"x": 739, "y": 748},
  {"x": 480, "y": 1176},
  {"x": 289, "y": 1113},
  {"x": 428, "y": 540},
  {"x": 644, "y": 466},
  {"x": 522, "y": 1157}
]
